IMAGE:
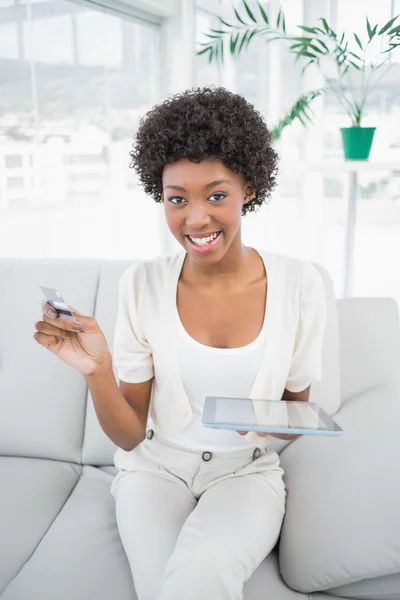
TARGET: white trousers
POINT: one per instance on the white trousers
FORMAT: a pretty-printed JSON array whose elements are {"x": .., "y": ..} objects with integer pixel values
[{"x": 197, "y": 524}]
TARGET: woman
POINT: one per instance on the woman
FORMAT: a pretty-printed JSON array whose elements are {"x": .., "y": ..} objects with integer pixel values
[{"x": 199, "y": 509}]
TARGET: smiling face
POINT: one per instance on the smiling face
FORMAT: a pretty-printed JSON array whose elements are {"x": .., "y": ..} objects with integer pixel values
[{"x": 201, "y": 201}]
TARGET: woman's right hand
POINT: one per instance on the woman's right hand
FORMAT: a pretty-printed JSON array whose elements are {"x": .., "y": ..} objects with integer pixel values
[{"x": 85, "y": 350}]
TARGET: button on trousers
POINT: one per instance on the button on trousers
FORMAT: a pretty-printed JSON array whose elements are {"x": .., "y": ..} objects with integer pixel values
[{"x": 196, "y": 528}]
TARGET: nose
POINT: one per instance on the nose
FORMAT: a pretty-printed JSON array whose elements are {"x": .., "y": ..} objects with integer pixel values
[{"x": 197, "y": 217}]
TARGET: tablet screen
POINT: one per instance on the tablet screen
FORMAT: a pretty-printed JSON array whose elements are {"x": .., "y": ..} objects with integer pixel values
[{"x": 272, "y": 413}]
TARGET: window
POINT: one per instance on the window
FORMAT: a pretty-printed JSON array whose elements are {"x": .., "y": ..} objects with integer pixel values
[
  {"x": 73, "y": 84},
  {"x": 205, "y": 73}
]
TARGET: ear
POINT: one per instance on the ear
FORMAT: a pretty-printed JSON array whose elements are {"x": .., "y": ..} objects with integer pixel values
[{"x": 250, "y": 193}]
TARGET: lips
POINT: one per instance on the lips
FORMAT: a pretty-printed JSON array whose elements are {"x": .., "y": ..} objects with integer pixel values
[{"x": 204, "y": 247}]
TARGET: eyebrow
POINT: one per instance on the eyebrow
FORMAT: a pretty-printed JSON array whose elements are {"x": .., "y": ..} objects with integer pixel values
[{"x": 206, "y": 187}]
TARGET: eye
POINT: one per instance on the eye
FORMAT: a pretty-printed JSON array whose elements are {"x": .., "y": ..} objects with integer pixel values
[
  {"x": 180, "y": 200},
  {"x": 220, "y": 196},
  {"x": 172, "y": 200}
]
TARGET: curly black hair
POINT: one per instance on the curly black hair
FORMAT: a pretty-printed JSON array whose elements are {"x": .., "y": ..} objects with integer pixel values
[{"x": 205, "y": 123}]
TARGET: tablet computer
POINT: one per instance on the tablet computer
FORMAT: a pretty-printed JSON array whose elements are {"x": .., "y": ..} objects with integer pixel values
[{"x": 270, "y": 416}]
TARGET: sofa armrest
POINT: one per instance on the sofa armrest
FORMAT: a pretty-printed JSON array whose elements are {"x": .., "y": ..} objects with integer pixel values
[{"x": 342, "y": 514}]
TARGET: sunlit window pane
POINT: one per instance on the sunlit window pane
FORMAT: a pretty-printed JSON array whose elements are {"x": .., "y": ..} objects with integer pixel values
[
  {"x": 73, "y": 84},
  {"x": 205, "y": 73}
]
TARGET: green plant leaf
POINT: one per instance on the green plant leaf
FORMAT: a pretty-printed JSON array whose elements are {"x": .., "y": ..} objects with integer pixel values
[
  {"x": 392, "y": 47},
  {"x": 354, "y": 65},
  {"x": 355, "y": 55},
  {"x": 222, "y": 50},
  {"x": 219, "y": 31},
  {"x": 239, "y": 17},
  {"x": 300, "y": 117},
  {"x": 308, "y": 29},
  {"x": 203, "y": 51},
  {"x": 253, "y": 33},
  {"x": 322, "y": 44},
  {"x": 369, "y": 30},
  {"x": 307, "y": 117},
  {"x": 211, "y": 54},
  {"x": 243, "y": 41},
  {"x": 341, "y": 39},
  {"x": 278, "y": 19},
  {"x": 233, "y": 42},
  {"x": 281, "y": 21},
  {"x": 310, "y": 62},
  {"x": 394, "y": 30},
  {"x": 263, "y": 13},
  {"x": 301, "y": 39},
  {"x": 308, "y": 54},
  {"x": 388, "y": 25},
  {"x": 225, "y": 23},
  {"x": 326, "y": 26},
  {"x": 315, "y": 48},
  {"x": 249, "y": 12},
  {"x": 319, "y": 30},
  {"x": 328, "y": 30},
  {"x": 299, "y": 109}
]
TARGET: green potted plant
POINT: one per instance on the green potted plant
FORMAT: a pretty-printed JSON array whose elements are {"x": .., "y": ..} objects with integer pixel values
[{"x": 322, "y": 47}]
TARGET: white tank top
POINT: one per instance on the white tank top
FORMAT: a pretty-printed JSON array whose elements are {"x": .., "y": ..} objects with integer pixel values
[{"x": 208, "y": 371}]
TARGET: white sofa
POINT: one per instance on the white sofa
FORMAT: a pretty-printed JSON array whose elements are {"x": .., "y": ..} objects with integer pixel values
[{"x": 58, "y": 532}]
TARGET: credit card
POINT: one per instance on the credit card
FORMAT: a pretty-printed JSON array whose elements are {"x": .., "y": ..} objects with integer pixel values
[{"x": 55, "y": 300}]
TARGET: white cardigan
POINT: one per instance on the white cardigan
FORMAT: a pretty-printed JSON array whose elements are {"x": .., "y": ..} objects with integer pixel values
[{"x": 146, "y": 342}]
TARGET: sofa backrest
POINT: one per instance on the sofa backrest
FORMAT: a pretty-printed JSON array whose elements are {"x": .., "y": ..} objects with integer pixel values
[
  {"x": 45, "y": 408},
  {"x": 98, "y": 449},
  {"x": 369, "y": 330},
  {"x": 43, "y": 401}
]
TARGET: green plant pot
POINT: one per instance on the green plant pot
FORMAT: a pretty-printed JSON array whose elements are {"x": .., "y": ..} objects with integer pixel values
[{"x": 357, "y": 142}]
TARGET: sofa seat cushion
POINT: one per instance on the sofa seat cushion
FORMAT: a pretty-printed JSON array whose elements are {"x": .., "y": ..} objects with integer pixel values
[
  {"x": 386, "y": 587},
  {"x": 63, "y": 534},
  {"x": 342, "y": 520},
  {"x": 62, "y": 541},
  {"x": 33, "y": 492},
  {"x": 266, "y": 583}
]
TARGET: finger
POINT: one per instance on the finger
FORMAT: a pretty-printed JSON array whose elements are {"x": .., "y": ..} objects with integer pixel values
[
  {"x": 242, "y": 432},
  {"x": 46, "y": 340},
  {"x": 48, "y": 310},
  {"x": 62, "y": 323},
  {"x": 48, "y": 329},
  {"x": 81, "y": 323},
  {"x": 262, "y": 433},
  {"x": 74, "y": 310}
]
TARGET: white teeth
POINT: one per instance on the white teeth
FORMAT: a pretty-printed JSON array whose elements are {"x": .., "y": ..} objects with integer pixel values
[{"x": 203, "y": 241}]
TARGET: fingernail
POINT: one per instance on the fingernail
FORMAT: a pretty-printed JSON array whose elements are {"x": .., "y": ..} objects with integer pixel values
[
  {"x": 77, "y": 327},
  {"x": 52, "y": 313}
]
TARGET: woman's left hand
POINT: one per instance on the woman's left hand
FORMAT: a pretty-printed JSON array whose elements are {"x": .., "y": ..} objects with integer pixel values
[{"x": 260, "y": 433}]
